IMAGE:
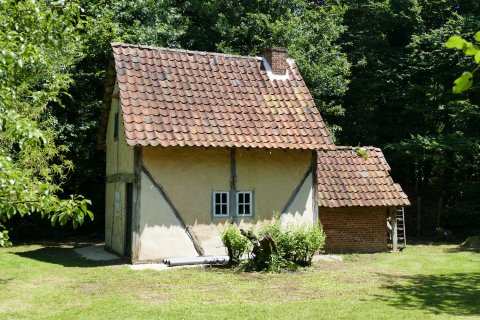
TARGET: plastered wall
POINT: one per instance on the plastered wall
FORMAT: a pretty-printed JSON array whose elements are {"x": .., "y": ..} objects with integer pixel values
[
  {"x": 300, "y": 211},
  {"x": 161, "y": 233},
  {"x": 189, "y": 175},
  {"x": 273, "y": 175},
  {"x": 119, "y": 160}
]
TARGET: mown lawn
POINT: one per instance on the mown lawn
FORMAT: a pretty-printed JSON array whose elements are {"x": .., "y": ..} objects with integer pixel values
[{"x": 423, "y": 282}]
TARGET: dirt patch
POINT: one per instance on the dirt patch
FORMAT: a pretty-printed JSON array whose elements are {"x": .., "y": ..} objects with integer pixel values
[
  {"x": 154, "y": 297},
  {"x": 39, "y": 283},
  {"x": 327, "y": 258},
  {"x": 14, "y": 306},
  {"x": 288, "y": 292},
  {"x": 89, "y": 289},
  {"x": 149, "y": 266},
  {"x": 330, "y": 266}
]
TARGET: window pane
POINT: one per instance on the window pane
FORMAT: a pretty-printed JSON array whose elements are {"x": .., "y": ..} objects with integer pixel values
[
  {"x": 244, "y": 203},
  {"x": 220, "y": 203}
]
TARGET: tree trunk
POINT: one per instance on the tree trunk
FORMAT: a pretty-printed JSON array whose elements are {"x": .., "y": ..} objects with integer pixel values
[{"x": 419, "y": 216}]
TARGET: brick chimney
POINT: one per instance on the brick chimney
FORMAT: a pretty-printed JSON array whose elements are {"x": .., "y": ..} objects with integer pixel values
[{"x": 277, "y": 59}]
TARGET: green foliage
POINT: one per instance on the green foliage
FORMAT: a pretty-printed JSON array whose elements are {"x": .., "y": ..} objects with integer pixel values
[
  {"x": 270, "y": 249},
  {"x": 237, "y": 245},
  {"x": 270, "y": 261},
  {"x": 39, "y": 42},
  {"x": 361, "y": 152},
  {"x": 465, "y": 81},
  {"x": 295, "y": 243},
  {"x": 4, "y": 239},
  {"x": 274, "y": 248},
  {"x": 399, "y": 99},
  {"x": 307, "y": 240}
]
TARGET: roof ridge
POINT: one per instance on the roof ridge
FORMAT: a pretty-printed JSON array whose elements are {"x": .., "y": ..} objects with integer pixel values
[
  {"x": 205, "y": 53},
  {"x": 334, "y": 148}
]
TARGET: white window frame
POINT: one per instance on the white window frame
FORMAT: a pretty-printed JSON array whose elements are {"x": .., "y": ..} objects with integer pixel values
[
  {"x": 214, "y": 204},
  {"x": 237, "y": 204}
]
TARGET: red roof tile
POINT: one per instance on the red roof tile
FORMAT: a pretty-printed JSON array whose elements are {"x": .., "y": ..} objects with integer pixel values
[
  {"x": 346, "y": 179},
  {"x": 173, "y": 97}
]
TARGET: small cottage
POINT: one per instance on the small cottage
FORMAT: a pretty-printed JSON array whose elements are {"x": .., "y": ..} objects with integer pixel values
[
  {"x": 196, "y": 139},
  {"x": 359, "y": 204}
]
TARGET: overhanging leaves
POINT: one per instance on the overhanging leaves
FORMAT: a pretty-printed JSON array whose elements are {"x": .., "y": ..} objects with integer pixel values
[{"x": 463, "y": 83}]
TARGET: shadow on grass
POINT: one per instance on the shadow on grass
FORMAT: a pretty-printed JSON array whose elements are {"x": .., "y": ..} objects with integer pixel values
[
  {"x": 5, "y": 281},
  {"x": 472, "y": 244},
  {"x": 454, "y": 294},
  {"x": 463, "y": 249},
  {"x": 432, "y": 242},
  {"x": 65, "y": 257}
]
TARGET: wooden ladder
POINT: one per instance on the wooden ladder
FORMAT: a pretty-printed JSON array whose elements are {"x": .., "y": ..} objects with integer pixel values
[{"x": 401, "y": 234}]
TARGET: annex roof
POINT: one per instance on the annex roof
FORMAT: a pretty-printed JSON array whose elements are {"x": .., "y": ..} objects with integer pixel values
[
  {"x": 172, "y": 97},
  {"x": 346, "y": 179}
]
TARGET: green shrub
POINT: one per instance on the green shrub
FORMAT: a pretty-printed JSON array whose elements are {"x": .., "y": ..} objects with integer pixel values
[
  {"x": 267, "y": 254},
  {"x": 278, "y": 259},
  {"x": 274, "y": 248},
  {"x": 306, "y": 240},
  {"x": 237, "y": 245},
  {"x": 296, "y": 244}
]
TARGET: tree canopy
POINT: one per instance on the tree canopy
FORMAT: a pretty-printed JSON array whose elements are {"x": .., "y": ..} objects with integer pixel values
[
  {"x": 400, "y": 98},
  {"x": 39, "y": 45}
]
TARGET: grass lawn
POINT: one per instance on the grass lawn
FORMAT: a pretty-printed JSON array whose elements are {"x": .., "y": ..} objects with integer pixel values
[{"x": 423, "y": 282}]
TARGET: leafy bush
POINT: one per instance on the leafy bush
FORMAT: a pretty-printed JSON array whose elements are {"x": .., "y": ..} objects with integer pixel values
[
  {"x": 237, "y": 245},
  {"x": 306, "y": 241},
  {"x": 277, "y": 259},
  {"x": 296, "y": 244},
  {"x": 275, "y": 248}
]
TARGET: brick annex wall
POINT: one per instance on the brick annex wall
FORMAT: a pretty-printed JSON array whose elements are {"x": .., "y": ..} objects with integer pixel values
[{"x": 354, "y": 229}]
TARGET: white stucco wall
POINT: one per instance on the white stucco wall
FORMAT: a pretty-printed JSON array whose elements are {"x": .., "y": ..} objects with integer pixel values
[
  {"x": 301, "y": 210},
  {"x": 161, "y": 234},
  {"x": 190, "y": 175}
]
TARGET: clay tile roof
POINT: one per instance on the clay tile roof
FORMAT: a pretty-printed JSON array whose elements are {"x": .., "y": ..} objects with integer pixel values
[
  {"x": 172, "y": 97},
  {"x": 346, "y": 179}
]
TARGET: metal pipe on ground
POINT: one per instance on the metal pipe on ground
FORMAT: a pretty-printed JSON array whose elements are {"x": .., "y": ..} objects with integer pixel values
[{"x": 172, "y": 262}]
